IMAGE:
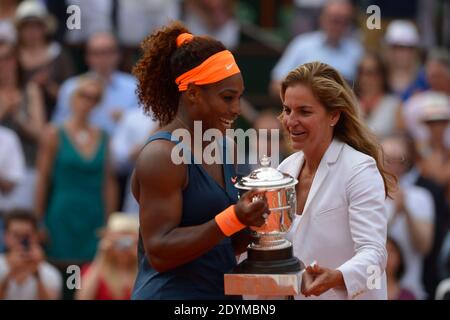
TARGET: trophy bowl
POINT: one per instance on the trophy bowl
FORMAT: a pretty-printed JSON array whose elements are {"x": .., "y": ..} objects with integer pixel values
[{"x": 269, "y": 251}]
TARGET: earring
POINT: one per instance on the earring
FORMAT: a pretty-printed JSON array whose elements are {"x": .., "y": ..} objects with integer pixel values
[{"x": 332, "y": 125}]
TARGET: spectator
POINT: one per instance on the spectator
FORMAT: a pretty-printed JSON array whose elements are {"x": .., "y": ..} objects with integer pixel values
[
  {"x": 402, "y": 55},
  {"x": 112, "y": 273},
  {"x": 214, "y": 18},
  {"x": 77, "y": 189},
  {"x": 21, "y": 110},
  {"x": 411, "y": 215},
  {"x": 331, "y": 44},
  {"x": 136, "y": 19},
  {"x": 42, "y": 61},
  {"x": 12, "y": 171},
  {"x": 395, "y": 269},
  {"x": 437, "y": 69},
  {"x": 119, "y": 93},
  {"x": 434, "y": 152},
  {"x": 130, "y": 136},
  {"x": 378, "y": 106},
  {"x": 24, "y": 273},
  {"x": 414, "y": 176}
]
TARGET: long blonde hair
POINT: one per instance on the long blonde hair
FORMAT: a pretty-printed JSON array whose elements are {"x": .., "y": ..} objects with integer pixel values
[{"x": 332, "y": 91}]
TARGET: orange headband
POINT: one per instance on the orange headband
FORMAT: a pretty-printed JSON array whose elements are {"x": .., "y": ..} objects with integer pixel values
[{"x": 214, "y": 69}]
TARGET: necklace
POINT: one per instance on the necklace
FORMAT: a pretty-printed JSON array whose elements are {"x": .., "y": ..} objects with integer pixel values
[{"x": 82, "y": 137}]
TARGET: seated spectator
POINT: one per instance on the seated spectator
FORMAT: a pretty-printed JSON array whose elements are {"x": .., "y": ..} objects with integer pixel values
[
  {"x": 402, "y": 55},
  {"x": 331, "y": 44},
  {"x": 378, "y": 106},
  {"x": 395, "y": 269},
  {"x": 42, "y": 61},
  {"x": 77, "y": 189},
  {"x": 24, "y": 273},
  {"x": 102, "y": 56},
  {"x": 411, "y": 216},
  {"x": 112, "y": 274}
]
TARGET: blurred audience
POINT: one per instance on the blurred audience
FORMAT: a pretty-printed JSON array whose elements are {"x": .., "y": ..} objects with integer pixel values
[
  {"x": 215, "y": 18},
  {"x": 130, "y": 136},
  {"x": 24, "y": 272},
  {"x": 378, "y": 106},
  {"x": 21, "y": 110},
  {"x": 112, "y": 273},
  {"x": 42, "y": 61},
  {"x": 435, "y": 162},
  {"x": 395, "y": 268},
  {"x": 403, "y": 57},
  {"x": 12, "y": 172},
  {"x": 411, "y": 215},
  {"x": 102, "y": 56},
  {"x": 437, "y": 70},
  {"x": 332, "y": 44},
  {"x": 77, "y": 189}
]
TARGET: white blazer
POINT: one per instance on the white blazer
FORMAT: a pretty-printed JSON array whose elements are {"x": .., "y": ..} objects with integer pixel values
[{"x": 344, "y": 222}]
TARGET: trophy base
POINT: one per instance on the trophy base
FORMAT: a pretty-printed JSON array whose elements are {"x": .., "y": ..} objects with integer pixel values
[{"x": 280, "y": 261}]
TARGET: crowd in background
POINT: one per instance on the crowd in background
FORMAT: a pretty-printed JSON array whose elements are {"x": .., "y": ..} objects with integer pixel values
[{"x": 71, "y": 127}]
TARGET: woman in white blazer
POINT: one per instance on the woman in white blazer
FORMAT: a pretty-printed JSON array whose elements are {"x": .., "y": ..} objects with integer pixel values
[{"x": 341, "y": 224}]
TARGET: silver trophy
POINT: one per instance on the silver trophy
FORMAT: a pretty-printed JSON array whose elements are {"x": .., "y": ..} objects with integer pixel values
[{"x": 270, "y": 267}]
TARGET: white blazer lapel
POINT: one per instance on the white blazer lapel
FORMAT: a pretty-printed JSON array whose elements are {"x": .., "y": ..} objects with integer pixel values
[{"x": 328, "y": 158}]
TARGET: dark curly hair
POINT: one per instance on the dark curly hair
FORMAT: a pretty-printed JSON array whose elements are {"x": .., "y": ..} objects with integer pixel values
[{"x": 162, "y": 62}]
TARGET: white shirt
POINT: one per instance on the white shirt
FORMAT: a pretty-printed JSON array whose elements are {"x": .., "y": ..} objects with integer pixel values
[
  {"x": 27, "y": 290},
  {"x": 139, "y": 18},
  {"x": 382, "y": 120},
  {"x": 12, "y": 163},
  {"x": 132, "y": 130},
  {"x": 344, "y": 222},
  {"x": 421, "y": 206}
]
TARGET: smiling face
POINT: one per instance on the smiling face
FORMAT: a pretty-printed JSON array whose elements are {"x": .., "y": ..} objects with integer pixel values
[
  {"x": 218, "y": 105},
  {"x": 309, "y": 125}
]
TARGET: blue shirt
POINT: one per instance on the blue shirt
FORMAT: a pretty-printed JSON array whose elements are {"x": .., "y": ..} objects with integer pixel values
[
  {"x": 312, "y": 46},
  {"x": 119, "y": 94}
]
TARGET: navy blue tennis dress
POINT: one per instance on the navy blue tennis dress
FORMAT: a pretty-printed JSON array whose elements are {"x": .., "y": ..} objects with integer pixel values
[{"x": 202, "y": 278}]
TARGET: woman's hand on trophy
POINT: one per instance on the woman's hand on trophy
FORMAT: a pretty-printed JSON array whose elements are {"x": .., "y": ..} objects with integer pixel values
[
  {"x": 316, "y": 280},
  {"x": 252, "y": 208}
]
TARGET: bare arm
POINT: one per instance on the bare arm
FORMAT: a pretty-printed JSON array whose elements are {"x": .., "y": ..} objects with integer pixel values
[
  {"x": 32, "y": 127},
  {"x": 158, "y": 184},
  {"x": 45, "y": 159},
  {"x": 111, "y": 192}
]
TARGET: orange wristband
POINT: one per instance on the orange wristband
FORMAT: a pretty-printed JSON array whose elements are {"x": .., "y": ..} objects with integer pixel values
[{"x": 228, "y": 221}]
